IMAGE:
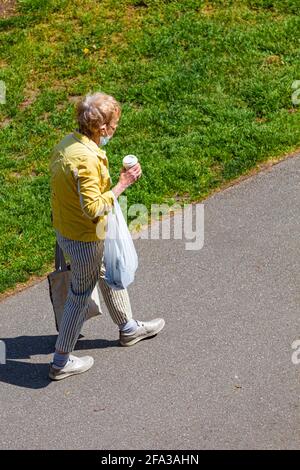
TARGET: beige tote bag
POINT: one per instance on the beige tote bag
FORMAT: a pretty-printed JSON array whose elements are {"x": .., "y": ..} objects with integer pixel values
[{"x": 59, "y": 284}]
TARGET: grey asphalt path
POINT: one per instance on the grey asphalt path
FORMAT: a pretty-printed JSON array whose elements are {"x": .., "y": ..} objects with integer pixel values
[{"x": 219, "y": 375}]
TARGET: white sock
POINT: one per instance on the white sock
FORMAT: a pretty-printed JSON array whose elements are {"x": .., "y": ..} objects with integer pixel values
[{"x": 128, "y": 327}]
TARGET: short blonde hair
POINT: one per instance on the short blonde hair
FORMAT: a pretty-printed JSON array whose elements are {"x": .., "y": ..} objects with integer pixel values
[{"x": 94, "y": 110}]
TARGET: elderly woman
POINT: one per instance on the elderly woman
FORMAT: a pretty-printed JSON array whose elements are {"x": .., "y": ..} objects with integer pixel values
[{"x": 80, "y": 200}]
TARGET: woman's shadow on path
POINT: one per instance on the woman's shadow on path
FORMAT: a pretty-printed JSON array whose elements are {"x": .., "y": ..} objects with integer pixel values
[{"x": 35, "y": 375}]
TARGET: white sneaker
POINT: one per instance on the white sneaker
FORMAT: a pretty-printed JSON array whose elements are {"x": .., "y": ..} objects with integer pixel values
[
  {"x": 145, "y": 329},
  {"x": 75, "y": 365}
]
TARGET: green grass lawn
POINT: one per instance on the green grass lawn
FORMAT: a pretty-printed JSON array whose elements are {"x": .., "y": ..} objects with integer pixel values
[{"x": 205, "y": 87}]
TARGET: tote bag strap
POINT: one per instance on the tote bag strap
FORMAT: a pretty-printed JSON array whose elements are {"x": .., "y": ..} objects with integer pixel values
[{"x": 60, "y": 262}]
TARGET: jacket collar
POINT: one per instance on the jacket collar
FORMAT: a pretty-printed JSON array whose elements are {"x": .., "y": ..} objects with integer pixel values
[{"x": 89, "y": 143}]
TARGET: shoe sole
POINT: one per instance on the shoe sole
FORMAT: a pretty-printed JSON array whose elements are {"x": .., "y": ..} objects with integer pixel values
[
  {"x": 139, "y": 338},
  {"x": 68, "y": 374}
]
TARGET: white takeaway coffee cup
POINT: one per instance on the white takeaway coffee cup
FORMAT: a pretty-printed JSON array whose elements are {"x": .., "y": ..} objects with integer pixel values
[{"x": 129, "y": 161}]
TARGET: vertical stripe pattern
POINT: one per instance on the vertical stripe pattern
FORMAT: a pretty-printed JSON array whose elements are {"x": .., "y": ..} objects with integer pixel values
[{"x": 87, "y": 268}]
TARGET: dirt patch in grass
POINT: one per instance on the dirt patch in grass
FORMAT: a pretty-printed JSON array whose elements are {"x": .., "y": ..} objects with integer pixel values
[
  {"x": 273, "y": 60},
  {"x": 5, "y": 122},
  {"x": 3, "y": 64},
  {"x": 30, "y": 98},
  {"x": 8, "y": 8},
  {"x": 207, "y": 9},
  {"x": 132, "y": 15}
]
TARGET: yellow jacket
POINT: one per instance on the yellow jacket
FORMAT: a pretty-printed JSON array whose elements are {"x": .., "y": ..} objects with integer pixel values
[{"x": 80, "y": 188}]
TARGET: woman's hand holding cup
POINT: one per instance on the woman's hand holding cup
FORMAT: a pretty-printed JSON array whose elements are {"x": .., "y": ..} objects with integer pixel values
[{"x": 129, "y": 174}]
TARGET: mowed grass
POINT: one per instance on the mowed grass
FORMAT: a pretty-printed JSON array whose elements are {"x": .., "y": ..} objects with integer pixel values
[{"x": 206, "y": 92}]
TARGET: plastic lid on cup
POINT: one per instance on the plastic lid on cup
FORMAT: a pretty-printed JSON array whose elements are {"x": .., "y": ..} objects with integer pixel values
[{"x": 129, "y": 161}]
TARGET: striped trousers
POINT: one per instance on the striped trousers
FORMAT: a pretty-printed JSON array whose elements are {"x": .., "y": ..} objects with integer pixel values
[{"x": 87, "y": 268}]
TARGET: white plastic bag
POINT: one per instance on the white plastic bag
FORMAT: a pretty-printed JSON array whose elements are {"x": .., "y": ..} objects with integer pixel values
[{"x": 120, "y": 258}]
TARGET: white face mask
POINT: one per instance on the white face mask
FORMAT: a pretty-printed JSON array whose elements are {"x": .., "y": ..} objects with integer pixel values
[{"x": 104, "y": 140}]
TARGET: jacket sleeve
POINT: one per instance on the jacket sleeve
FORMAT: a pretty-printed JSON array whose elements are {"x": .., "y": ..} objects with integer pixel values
[{"x": 92, "y": 201}]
